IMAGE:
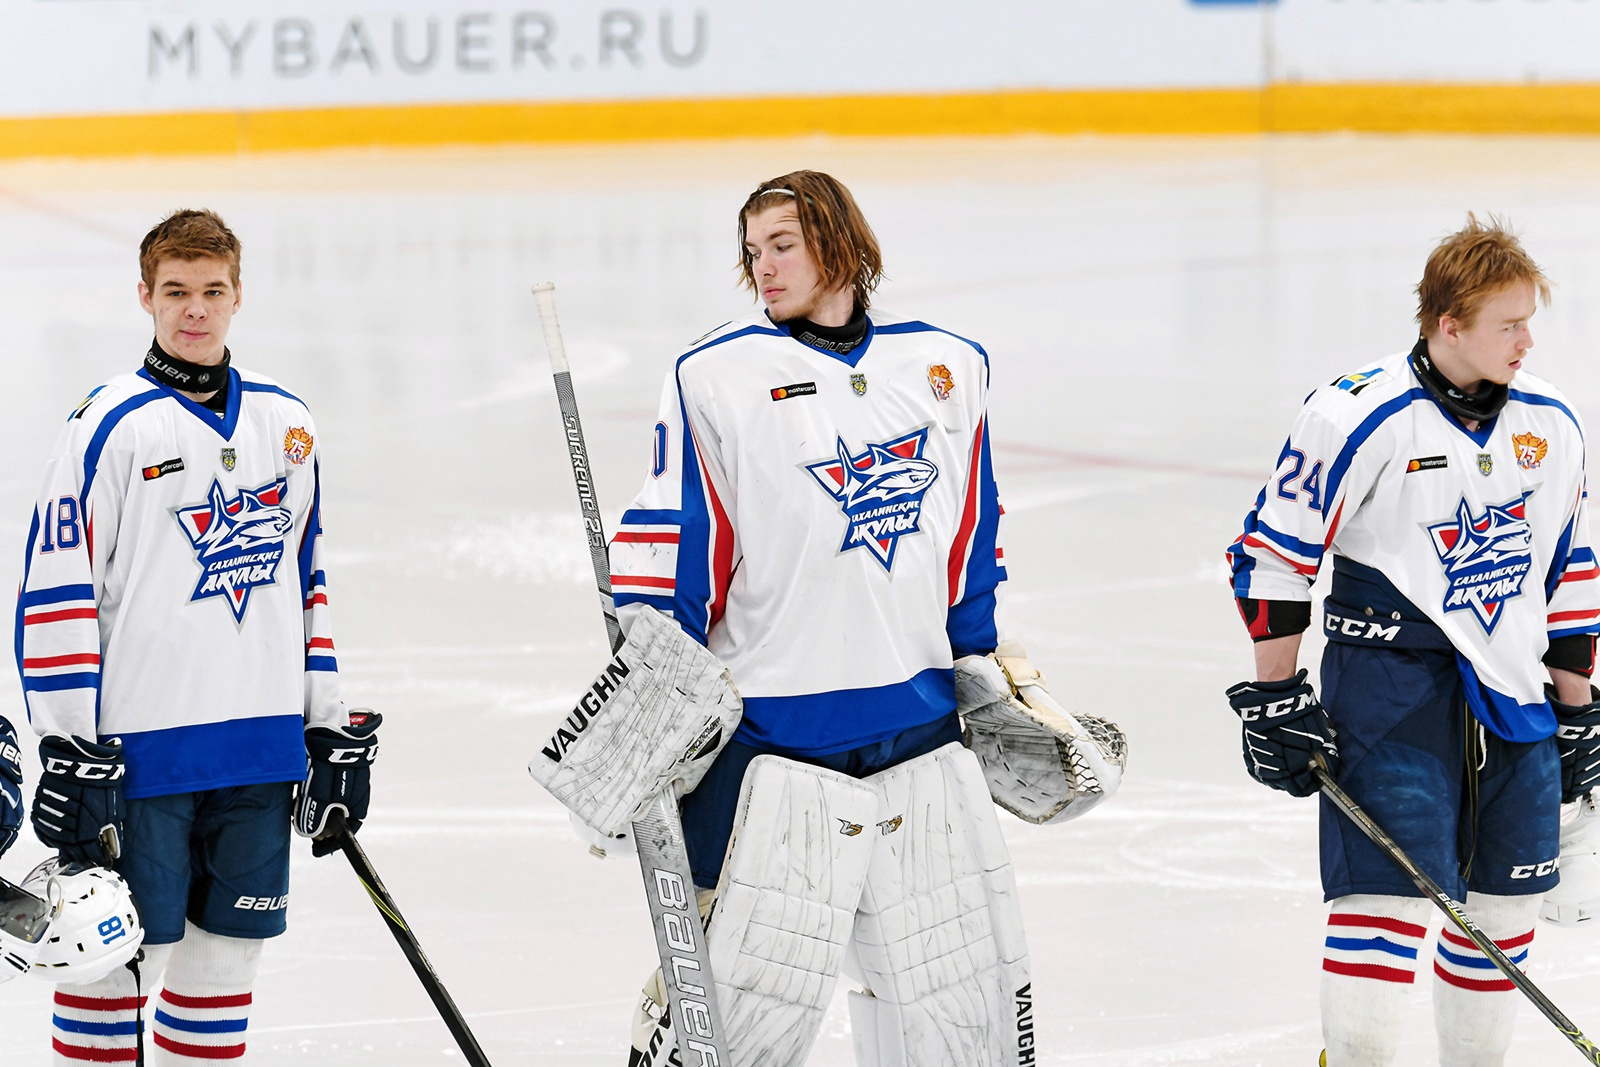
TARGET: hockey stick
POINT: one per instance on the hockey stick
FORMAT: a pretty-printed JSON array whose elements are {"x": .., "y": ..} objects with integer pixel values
[
  {"x": 1452, "y": 910},
  {"x": 658, "y": 833},
  {"x": 339, "y": 833}
]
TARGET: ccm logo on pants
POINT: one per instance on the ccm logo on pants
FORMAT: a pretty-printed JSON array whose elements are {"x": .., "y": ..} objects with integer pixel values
[{"x": 1534, "y": 870}]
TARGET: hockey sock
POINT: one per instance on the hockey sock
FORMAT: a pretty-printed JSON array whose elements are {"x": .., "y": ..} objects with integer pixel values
[
  {"x": 1369, "y": 968},
  {"x": 204, "y": 1005},
  {"x": 98, "y": 1022},
  {"x": 1474, "y": 1005}
]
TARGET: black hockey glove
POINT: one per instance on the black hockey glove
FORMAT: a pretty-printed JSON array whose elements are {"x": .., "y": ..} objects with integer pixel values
[
  {"x": 10, "y": 786},
  {"x": 78, "y": 807},
  {"x": 338, "y": 777},
  {"x": 1284, "y": 726},
  {"x": 1578, "y": 739}
]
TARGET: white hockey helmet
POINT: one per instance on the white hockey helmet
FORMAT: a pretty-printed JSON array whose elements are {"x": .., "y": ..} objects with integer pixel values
[
  {"x": 94, "y": 928},
  {"x": 24, "y": 921}
]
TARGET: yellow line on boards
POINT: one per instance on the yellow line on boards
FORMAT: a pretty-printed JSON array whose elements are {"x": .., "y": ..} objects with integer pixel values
[{"x": 1281, "y": 108}]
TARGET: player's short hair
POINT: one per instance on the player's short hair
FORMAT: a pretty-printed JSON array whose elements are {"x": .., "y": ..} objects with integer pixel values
[
  {"x": 1469, "y": 267},
  {"x": 188, "y": 234},
  {"x": 836, "y": 233}
]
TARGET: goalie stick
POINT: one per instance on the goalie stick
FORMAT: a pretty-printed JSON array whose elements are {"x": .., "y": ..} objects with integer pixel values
[
  {"x": 340, "y": 834},
  {"x": 658, "y": 833},
  {"x": 1452, "y": 910}
]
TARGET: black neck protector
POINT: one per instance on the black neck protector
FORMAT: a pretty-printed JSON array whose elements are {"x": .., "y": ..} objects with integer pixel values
[
  {"x": 1480, "y": 406},
  {"x": 840, "y": 339},
  {"x": 184, "y": 376}
]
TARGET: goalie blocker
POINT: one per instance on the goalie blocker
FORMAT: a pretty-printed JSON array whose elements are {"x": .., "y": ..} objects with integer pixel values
[{"x": 656, "y": 716}]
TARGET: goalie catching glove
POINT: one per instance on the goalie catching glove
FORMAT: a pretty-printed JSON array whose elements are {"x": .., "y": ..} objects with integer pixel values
[
  {"x": 1042, "y": 763},
  {"x": 658, "y": 714}
]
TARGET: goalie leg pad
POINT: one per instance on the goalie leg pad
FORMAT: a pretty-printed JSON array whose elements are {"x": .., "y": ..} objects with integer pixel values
[
  {"x": 657, "y": 715},
  {"x": 785, "y": 905},
  {"x": 939, "y": 935}
]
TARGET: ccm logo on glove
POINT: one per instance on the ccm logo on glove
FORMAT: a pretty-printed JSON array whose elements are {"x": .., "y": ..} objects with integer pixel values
[
  {"x": 89, "y": 772},
  {"x": 1277, "y": 709},
  {"x": 1578, "y": 733}
]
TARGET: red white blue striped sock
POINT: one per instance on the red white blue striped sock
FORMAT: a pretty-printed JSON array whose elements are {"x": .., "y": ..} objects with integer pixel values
[
  {"x": 203, "y": 1009},
  {"x": 1474, "y": 1005},
  {"x": 87, "y": 1029},
  {"x": 1369, "y": 967},
  {"x": 97, "y": 1022}
]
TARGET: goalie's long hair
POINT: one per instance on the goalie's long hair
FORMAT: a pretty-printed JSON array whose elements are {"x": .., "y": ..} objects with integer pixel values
[{"x": 836, "y": 233}]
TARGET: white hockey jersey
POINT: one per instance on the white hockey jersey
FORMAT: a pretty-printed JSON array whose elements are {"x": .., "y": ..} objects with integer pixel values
[
  {"x": 826, "y": 523},
  {"x": 172, "y": 595},
  {"x": 1484, "y": 531}
]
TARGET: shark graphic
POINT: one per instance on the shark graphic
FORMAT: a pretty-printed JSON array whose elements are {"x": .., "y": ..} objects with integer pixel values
[
  {"x": 1485, "y": 557},
  {"x": 238, "y": 542},
  {"x": 879, "y": 490}
]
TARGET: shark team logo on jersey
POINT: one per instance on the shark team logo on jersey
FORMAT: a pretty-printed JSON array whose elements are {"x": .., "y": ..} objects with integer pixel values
[
  {"x": 880, "y": 491},
  {"x": 1486, "y": 557},
  {"x": 238, "y": 543}
]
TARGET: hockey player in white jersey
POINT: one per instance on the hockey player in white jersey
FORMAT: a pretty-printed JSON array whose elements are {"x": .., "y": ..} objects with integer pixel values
[
  {"x": 820, "y": 513},
  {"x": 1446, "y": 485},
  {"x": 173, "y": 636}
]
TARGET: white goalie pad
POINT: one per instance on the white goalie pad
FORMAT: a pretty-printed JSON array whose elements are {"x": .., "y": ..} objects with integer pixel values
[
  {"x": 657, "y": 715},
  {"x": 802, "y": 839},
  {"x": 1576, "y": 898},
  {"x": 939, "y": 935},
  {"x": 1043, "y": 764}
]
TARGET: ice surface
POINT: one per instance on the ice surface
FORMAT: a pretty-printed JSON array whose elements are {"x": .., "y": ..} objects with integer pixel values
[{"x": 1155, "y": 310}]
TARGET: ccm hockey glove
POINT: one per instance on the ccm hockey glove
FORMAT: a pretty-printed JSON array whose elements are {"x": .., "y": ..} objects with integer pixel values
[
  {"x": 78, "y": 807},
  {"x": 338, "y": 776},
  {"x": 1578, "y": 740},
  {"x": 1284, "y": 726},
  {"x": 10, "y": 786}
]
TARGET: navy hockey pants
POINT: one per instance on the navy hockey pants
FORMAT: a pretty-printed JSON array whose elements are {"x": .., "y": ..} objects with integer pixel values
[
  {"x": 219, "y": 858},
  {"x": 1473, "y": 810}
]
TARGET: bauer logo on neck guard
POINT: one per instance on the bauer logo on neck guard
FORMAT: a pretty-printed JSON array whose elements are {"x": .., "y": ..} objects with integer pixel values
[
  {"x": 589, "y": 705},
  {"x": 880, "y": 491}
]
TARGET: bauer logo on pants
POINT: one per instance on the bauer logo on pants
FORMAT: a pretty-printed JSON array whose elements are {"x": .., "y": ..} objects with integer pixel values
[
  {"x": 238, "y": 543},
  {"x": 880, "y": 491},
  {"x": 1485, "y": 557}
]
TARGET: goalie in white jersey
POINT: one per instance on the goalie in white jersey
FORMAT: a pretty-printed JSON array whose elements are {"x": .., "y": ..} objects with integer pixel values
[
  {"x": 177, "y": 659},
  {"x": 821, "y": 514},
  {"x": 1447, "y": 487}
]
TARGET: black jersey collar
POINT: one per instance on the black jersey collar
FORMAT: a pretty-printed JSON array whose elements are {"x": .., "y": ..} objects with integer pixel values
[{"x": 1479, "y": 406}]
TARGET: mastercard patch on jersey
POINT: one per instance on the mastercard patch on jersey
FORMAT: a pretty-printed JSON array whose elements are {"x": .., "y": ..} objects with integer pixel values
[
  {"x": 170, "y": 466},
  {"x": 237, "y": 541}
]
